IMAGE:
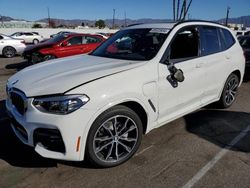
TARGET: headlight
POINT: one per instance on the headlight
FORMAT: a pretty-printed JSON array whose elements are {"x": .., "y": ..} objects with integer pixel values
[{"x": 60, "y": 104}]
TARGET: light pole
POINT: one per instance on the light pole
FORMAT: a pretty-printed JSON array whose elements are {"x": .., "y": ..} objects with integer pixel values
[{"x": 228, "y": 10}]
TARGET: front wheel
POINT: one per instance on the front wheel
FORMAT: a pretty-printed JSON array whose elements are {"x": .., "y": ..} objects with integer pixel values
[
  {"x": 114, "y": 137},
  {"x": 229, "y": 91}
]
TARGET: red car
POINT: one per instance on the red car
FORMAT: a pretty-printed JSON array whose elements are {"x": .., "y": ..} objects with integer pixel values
[{"x": 62, "y": 46}]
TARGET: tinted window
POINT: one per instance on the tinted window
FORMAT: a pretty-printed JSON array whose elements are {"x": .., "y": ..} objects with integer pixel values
[
  {"x": 28, "y": 34},
  {"x": 210, "y": 40},
  {"x": 91, "y": 40},
  {"x": 185, "y": 44},
  {"x": 228, "y": 38},
  {"x": 1, "y": 37},
  {"x": 75, "y": 41}
]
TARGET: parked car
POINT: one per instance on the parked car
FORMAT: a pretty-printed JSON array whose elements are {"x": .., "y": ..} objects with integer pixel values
[
  {"x": 28, "y": 37},
  {"x": 98, "y": 106},
  {"x": 60, "y": 33},
  {"x": 62, "y": 46},
  {"x": 245, "y": 44},
  {"x": 9, "y": 47}
]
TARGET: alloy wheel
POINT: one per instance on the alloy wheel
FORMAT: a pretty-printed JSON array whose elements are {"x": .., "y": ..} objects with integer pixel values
[
  {"x": 115, "y": 139},
  {"x": 231, "y": 89}
]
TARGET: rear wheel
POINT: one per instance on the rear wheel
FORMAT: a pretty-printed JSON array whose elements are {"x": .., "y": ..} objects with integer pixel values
[
  {"x": 9, "y": 52},
  {"x": 114, "y": 137},
  {"x": 35, "y": 41},
  {"x": 229, "y": 92}
]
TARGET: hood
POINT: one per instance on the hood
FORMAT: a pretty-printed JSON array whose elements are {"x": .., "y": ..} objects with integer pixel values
[
  {"x": 38, "y": 46},
  {"x": 60, "y": 75}
]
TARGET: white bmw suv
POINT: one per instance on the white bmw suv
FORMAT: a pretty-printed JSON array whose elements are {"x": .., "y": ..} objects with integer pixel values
[{"x": 98, "y": 106}]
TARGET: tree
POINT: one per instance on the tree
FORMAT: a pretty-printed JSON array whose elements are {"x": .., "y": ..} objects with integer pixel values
[
  {"x": 100, "y": 24},
  {"x": 36, "y": 25}
]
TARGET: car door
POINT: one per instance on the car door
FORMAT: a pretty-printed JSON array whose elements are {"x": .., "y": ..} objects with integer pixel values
[
  {"x": 71, "y": 46},
  {"x": 90, "y": 43},
  {"x": 183, "y": 53},
  {"x": 216, "y": 61},
  {"x": 28, "y": 37}
]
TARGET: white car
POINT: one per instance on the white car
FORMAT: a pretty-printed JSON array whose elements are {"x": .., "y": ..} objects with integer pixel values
[
  {"x": 9, "y": 47},
  {"x": 28, "y": 37},
  {"x": 98, "y": 106}
]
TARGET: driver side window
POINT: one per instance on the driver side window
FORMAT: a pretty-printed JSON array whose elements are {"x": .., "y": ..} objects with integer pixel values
[
  {"x": 185, "y": 44},
  {"x": 75, "y": 41}
]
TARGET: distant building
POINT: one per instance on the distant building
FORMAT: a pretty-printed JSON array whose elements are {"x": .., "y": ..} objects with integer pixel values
[
  {"x": 234, "y": 26},
  {"x": 20, "y": 24}
]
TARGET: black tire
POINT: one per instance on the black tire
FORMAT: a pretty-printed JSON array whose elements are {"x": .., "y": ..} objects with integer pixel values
[
  {"x": 229, "y": 91},
  {"x": 9, "y": 52},
  {"x": 49, "y": 57},
  {"x": 35, "y": 41},
  {"x": 116, "y": 143}
]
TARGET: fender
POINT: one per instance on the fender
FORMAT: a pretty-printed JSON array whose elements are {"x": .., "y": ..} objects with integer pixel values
[{"x": 99, "y": 112}]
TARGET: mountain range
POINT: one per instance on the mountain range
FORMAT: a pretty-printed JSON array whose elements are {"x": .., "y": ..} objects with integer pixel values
[{"x": 121, "y": 22}]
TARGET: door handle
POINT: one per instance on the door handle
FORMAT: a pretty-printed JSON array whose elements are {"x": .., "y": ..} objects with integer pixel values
[
  {"x": 228, "y": 57},
  {"x": 199, "y": 65}
]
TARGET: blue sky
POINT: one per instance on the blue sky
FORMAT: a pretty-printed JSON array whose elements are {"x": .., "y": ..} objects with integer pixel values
[{"x": 97, "y": 9}]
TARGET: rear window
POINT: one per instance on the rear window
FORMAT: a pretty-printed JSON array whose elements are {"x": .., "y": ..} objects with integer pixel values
[
  {"x": 210, "y": 40},
  {"x": 228, "y": 38}
]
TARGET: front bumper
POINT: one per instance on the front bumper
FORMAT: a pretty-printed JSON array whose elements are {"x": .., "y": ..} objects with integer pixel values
[{"x": 52, "y": 136}]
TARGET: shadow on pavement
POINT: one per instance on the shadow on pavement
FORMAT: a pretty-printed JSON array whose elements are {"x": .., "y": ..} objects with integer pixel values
[
  {"x": 14, "y": 152},
  {"x": 220, "y": 127},
  {"x": 18, "y": 66}
]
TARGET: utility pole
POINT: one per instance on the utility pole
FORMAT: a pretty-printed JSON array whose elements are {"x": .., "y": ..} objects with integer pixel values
[
  {"x": 113, "y": 19},
  {"x": 178, "y": 8},
  {"x": 228, "y": 10},
  {"x": 174, "y": 10},
  {"x": 125, "y": 19},
  {"x": 48, "y": 16},
  {"x": 187, "y": 9},
  {"x": 184, "y": 9}
]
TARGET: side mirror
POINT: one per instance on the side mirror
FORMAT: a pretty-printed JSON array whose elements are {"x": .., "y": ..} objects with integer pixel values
[
  {"x": 179, "y": 76},
  {"x": 65, "y": 43}
]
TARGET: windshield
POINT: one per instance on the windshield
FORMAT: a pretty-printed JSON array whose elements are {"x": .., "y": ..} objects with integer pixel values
[
  {"x": 133, "y": 44},
  {"x": 57, "y": 38}
]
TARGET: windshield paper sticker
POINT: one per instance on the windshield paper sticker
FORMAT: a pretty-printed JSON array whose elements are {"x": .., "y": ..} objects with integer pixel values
[{"x": 159, "y": 30}]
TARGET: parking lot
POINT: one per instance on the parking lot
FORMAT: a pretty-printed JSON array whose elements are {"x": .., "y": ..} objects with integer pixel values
[{"x": 208, "y": 148}]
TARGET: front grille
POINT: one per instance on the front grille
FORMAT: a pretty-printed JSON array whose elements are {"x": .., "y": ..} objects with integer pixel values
[{"x": 18, "y": 101}]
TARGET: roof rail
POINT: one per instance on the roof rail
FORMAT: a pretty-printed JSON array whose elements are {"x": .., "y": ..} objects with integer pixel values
[{"x": 205, "y": 21}]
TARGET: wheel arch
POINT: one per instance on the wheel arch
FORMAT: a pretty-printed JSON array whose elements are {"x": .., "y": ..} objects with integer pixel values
[
  {"x": 237, "y": 73},
  {"x": 137, "y": 106}
]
